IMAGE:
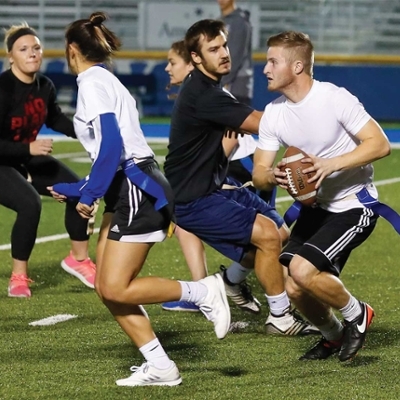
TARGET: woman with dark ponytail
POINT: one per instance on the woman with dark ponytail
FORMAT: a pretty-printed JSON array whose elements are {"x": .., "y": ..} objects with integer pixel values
[{"x": 138, "y": 204}]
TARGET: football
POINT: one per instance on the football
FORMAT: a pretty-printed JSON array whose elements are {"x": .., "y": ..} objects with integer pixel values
[{"x": 298, "y": 187}]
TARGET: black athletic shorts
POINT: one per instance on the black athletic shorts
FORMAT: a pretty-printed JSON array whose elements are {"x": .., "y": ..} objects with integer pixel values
[
  {"x": 135, "y": 218},
  {"x": 326, "y": 239}
]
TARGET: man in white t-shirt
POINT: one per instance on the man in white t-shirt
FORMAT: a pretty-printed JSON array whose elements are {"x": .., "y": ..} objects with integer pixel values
[{"x": 332, "y": 127}]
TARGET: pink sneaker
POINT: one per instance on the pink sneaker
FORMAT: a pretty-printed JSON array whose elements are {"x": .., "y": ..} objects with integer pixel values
[
  {"x": 84, "y": 270},
  {"x": 18, "y": 286}
]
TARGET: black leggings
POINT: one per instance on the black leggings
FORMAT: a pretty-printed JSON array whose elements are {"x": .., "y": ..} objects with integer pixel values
[{"x": 23, "y": 197}]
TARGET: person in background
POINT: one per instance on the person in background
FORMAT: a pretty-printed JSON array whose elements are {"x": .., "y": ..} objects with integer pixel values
[
  {"x": 333, "y": 128},
  {"x": 27, "y": 101},
  {"x": 239, "y": 81},
  {"x": 178, "y": 67},
  {"x": 138, "y": 204}
]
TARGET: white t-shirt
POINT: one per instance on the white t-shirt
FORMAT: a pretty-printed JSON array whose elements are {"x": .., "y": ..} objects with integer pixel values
[
  {"x": 100, "y": 92},
  {"x": 324, "y": 124},
  {"x": 246, "y": 146}
]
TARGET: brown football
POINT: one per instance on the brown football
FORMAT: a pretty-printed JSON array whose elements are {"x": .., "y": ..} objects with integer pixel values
[{"x": 298, "y": 187}]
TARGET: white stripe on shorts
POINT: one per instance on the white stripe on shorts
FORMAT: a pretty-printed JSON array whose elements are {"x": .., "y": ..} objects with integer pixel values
[
  {"x": 135, "y": 196},
  {"x": 344, "y": 240},
  {"x": 151, "y": 237}
]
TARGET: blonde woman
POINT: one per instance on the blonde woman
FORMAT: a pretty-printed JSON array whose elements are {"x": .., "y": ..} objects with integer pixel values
[{"x": 27, "y": 102}]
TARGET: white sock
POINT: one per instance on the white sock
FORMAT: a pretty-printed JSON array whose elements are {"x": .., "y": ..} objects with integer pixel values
[
  {"x": 352, "y": 309},
  {"x": 332, "y": 330},
  {"x": 193, "y": 292},
  {"x": 236, "y": 273},
  {"x": 154, "y": 353},
  {"x": 278, "y": 304}
]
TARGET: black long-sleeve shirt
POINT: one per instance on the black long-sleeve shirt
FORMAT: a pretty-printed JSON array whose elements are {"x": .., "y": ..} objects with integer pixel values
[{"x": 24, "y": 108}]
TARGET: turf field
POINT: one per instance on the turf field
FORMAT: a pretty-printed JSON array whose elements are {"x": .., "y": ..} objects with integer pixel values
[{"x": 81, "y": 358}]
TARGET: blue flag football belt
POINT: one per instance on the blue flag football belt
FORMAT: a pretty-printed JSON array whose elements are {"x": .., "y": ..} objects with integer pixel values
[
  {"x": 292, "y": 213},
  {"x": 365, "y": 198},
  {"x": 247, "y": 164},
  {"x": 145, "y": 183}
]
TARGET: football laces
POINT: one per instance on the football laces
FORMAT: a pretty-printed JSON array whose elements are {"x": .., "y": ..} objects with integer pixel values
[{"x": 291, "y": 184}]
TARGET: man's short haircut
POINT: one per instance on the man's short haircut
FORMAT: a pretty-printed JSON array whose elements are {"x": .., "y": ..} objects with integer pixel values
[
  {"x": 209, "y": 28},
  {"x": 299, "y": 47}
]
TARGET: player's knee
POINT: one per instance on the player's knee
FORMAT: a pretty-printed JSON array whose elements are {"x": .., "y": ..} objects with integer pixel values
[
  {"x": 116, "y": 294},
  {"x": 293, "y": 290},
  {"x": 110, "y": 294},
  {"x": 266, "y": 234},
  {"x": 301, "y": 271},
  {"x": 30, "y": 207}
]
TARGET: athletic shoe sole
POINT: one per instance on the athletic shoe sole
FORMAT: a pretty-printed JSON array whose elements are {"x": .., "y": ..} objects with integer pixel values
[
  {"x": 170, "y": 383},
  {"x": 71, "y": 271}
]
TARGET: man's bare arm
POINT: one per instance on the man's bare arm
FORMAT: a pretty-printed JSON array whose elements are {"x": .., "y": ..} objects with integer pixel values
[{"x": 263, "y": 171}]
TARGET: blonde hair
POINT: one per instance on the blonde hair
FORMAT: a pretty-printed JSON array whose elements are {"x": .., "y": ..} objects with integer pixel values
[
  {"x": 14, "y": 32},
  {"x": 299, "y": 46}
]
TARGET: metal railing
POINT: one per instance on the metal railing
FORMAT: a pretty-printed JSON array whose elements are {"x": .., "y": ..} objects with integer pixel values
[{"x": 335, "y": 26}]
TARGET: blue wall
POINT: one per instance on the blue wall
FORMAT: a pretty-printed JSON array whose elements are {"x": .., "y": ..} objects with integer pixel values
[{"x": 377, "y": 87}]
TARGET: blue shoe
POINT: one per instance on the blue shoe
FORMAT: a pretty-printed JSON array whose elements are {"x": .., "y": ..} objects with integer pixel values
[{"x": 180, "y": 306}]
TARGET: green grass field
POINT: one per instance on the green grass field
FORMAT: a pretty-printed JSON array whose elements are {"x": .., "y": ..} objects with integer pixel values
[{"x": 81, "y": 358}]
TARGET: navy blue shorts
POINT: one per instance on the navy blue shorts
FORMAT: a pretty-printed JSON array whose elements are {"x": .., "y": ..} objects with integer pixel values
[{"x": 224, "y": 219}]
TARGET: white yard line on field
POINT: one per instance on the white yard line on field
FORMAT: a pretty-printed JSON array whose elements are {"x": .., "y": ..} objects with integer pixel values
[
  {"x": 54, "y": 319},
  {"x": 71, "y": 155},
  {"x": 44, "y": 239}
]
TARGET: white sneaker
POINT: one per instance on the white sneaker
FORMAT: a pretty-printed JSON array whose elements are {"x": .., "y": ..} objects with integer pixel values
[
  {"x": 289, "y": 324},
  {"x": 215, "y": 305},
  {"x": 147, "y": 374}
]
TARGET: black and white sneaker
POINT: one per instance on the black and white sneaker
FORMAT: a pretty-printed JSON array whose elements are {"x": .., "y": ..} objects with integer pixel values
[
  {"x": 240, "y": 294},
  {"x": 355, "y": 333},
  {"x": 288, "y": 324}
]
